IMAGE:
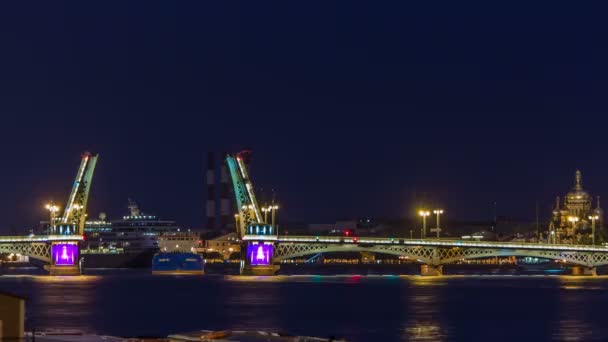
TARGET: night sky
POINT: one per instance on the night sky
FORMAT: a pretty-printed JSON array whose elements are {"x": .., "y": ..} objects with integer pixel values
[{"x": 350, "y": 108}]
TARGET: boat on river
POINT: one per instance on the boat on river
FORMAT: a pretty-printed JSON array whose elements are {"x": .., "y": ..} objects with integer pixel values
[{"x": 177, "y": 263}]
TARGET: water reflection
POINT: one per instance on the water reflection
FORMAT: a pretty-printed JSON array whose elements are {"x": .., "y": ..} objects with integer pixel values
[
  {"x": 360, "y": 308},
  {"x": 251, "y": 303},
  {"x": 573, "y": 330},
  {"x": 424, "y": 321},
  {"x": 575, "y": 322}
]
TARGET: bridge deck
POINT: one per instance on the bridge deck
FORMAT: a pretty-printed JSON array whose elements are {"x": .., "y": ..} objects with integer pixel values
[
  {"x": 39, "y": 238},
  {"x": 426, "y": 242}
]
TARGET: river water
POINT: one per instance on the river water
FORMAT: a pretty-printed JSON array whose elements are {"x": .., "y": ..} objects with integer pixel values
[{"x": 358, "y": 308}]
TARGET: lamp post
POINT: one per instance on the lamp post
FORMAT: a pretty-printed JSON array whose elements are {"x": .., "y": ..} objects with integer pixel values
[
  {"x": 265, "y": 210},
  {"x": 573, "y": 219},
  {"x": 423, "y": 214},
  {"x": 53, "y": 209},
  {"x": 274, "y": 209},
  {"x": 437, "y": 228},
  {"x": 411, "y": 234},
  {"x": 593, "y": 218}
]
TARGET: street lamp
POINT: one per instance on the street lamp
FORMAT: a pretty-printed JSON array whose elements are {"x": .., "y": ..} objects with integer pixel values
[
  {"x": 437, "y": 228},
  {"x": 274, "y": 209},
  {"x": 423, "y": 214},
  {"x": 265, "y": 210},
  {"x": 593, "y": 218},
  {"x": 53, "y": 209},
  {"x": 573, "y": 219}
]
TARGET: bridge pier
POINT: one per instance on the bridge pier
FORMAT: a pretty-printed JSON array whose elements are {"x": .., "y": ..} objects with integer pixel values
[
  {"x": 431, "y": 270},
  {"x": 64, "y": 258},
  {"x": 260, "y": 270},
  {"x": 259, "y": 259},
  {"x": 584, "y": 271}
]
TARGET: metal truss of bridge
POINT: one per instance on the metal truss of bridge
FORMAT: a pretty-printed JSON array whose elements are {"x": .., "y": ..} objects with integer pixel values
[
  {"x": 61, "y": 249},
  {"x": 431, "y": 252},
  {"x": 36, "y": 247}
]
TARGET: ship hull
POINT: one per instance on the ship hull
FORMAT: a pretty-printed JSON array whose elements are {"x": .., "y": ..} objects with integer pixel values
[
  {"x": 142, "y": 259},
  {"x": 177, "y": 263}
]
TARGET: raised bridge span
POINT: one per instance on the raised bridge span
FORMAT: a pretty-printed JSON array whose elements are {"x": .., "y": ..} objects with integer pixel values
[{"x": 432, "y": 253}]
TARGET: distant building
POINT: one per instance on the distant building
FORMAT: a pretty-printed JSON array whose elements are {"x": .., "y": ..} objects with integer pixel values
[
  {"x": 571, "y": 222},
  {"x": 344, "y": 225},
  {"x": 179, "y": 242},
  {"x": 364, "y": 226},
  {"x": 224, "y": 245},
  {"x": 320, "y": 227}
]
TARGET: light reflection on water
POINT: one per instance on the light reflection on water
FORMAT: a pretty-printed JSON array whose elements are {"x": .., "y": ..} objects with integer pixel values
[
  {"x": 424, "y": 325},
  {"x": 361, "y": 308}
]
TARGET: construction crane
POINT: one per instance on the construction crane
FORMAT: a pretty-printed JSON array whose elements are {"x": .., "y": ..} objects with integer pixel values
[
  {"x": 248, "y": 210},
  {"x": 76, "y": 207}
]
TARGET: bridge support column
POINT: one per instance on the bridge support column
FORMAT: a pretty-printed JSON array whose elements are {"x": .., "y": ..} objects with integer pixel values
[
  {"x": 64, "y": 258},
  {"x": 584, "y": 271},
  {"x": 431, "y": 270},
  {"x": 259, "y": 259}
]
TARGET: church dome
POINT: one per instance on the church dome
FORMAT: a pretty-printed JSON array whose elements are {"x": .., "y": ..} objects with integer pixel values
[{"x": 578, "y": 194}]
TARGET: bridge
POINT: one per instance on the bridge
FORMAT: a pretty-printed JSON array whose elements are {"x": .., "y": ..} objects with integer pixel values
[
  {"x": 61, "y": 249},
  {"x": 38, "y": 246},
  {"x": 267, "y": 250}
]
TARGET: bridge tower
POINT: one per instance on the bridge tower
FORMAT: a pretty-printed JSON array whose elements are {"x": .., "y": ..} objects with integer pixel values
[
  {"x": 65, "y": 254},
  {"x": 258, "y": 236}
]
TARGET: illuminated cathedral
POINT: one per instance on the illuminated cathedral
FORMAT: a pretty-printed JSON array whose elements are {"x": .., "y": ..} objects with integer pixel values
[{"x": 573, "y": 222}]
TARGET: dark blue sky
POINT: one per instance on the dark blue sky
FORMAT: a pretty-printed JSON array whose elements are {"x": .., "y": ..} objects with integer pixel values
[{"x": 349, "y": 107}]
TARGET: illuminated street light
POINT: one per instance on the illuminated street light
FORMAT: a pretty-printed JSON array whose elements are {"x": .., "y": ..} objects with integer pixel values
[
  {"x": 274, "y": 209},
  {"x": 551, "y": 238},
  {"x": 593, "y": 218},
  {"x": 265, "y": 210},
  {"x": 573, "y": 219},
  {"x": 423, "y": 214},
  {"x": 53, "y": 209},
  {"x": 438, "y": 227}
]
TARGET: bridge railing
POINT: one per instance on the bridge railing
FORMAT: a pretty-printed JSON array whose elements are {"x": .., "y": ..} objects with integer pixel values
[
  {"x": 427, "y": 242},
  {"x": 39, "y": 238}
]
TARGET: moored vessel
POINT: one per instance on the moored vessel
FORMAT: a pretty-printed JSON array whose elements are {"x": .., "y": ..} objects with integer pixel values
[{"x": 177, "y": 263}]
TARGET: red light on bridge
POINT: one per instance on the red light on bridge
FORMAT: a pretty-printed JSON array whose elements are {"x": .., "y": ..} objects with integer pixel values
[{"x": 355, "y": 239}]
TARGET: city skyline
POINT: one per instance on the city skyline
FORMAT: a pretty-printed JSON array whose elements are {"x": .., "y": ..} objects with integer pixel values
[
  {"x": 346, "y": 118},
  {"x": 425, "y": 200}
]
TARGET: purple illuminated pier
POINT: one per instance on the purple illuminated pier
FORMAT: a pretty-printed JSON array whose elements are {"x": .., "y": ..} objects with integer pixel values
[
  {"x": 64, "y": 254},
  {"x": 259, "y": 254}
]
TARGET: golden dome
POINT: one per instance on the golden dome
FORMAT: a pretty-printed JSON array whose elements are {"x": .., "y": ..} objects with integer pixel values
[{"x": 578, "y": 195}]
